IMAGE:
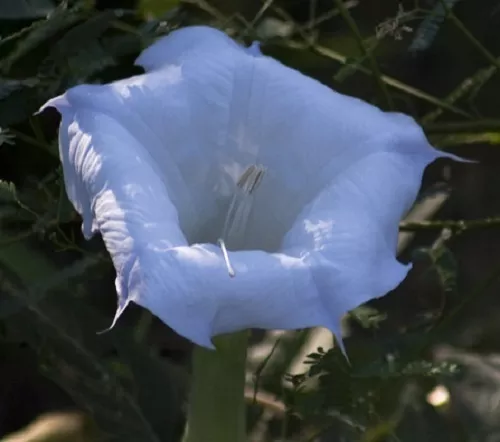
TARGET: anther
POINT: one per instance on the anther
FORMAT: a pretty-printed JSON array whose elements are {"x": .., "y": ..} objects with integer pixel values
[{"x": 251, "y": 178}]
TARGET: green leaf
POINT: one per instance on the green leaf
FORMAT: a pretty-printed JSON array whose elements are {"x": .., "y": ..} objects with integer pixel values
[
  {"x": 81, "y": 35},
  {"x": 89, "y": 61},
  {"x": 25, "y": 9},
  {"x": 19, "y": 105},
  {"x": 79, "y": 54},
  {"x": 71, "y": 60},
  {"x": 39, "y": 32},
  {"x": 7, "y": 192}
]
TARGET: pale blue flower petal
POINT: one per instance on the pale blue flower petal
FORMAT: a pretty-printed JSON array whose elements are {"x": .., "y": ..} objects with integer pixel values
[
  {"x": 348, "y": 233},
  {"x": 151, "y": 162},
  {"x": 188, "y": 44}
]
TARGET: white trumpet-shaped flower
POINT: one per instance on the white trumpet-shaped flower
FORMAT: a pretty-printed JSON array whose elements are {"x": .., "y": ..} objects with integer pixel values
[{"x": 233, "y": 192}]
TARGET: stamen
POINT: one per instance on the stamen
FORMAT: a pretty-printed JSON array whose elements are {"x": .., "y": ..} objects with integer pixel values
[
  {"x": 251, "y": 178},
  {"x": 239, "y": 210},
  {"x": 230, "y": 269},
  {"x": 241, "y": 204}
]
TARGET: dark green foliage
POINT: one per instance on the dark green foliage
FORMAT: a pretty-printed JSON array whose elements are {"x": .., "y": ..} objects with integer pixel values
[
  {"x": 110, "y": 376},
  {"x": 364, "y": 389},
  {"x": 128, "y": 391},
  {"x": 70, "y": 47},
  {"x": 25, "y": 9}
]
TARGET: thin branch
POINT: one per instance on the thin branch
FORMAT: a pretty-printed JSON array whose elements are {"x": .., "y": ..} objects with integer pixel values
[
  {"x": 344, "y": 12},
  {"x": 331, "y": 54},
  {"x": 390, "y": 81},
  {"x": 265, "y": 400},
  {"x": 462, "y": 126},
  {"x": 466, "y": 86},
  {"x": 457, "y": 225},
  {"x": 206, "y": 7},
  {"x": 458, "y": 23},
  {"x": 329, "y": 15}
]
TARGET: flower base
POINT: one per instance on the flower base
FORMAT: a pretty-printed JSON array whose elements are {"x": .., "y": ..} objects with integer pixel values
[{"x": 217, "y": 405}]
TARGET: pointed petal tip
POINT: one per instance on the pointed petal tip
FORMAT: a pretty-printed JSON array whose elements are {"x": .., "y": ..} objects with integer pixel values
[
  {"x": 336, "y": 329},
  {"x": 209, "y": 345},
  {"x": 119, "y": 311},
  {"x": 60, "y": 102},
  {"x": 204, "y": 341},
  {"x": 340, "y": 343},
  {"x": 89, "y": 228},
  {"x": 456, "y": 158},
  {"x": 106, "y": 330}
]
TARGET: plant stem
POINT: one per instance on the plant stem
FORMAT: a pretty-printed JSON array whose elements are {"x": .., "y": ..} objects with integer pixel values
[{"x": 217, "y": 403}]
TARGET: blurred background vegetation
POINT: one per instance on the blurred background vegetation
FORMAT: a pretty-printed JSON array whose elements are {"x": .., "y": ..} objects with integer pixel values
[{"x": 424, "y": 360}]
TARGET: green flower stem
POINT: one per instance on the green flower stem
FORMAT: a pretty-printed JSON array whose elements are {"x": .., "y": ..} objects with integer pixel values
[{"x": 217, "y": 405}]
